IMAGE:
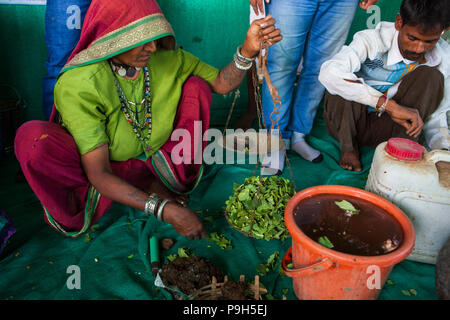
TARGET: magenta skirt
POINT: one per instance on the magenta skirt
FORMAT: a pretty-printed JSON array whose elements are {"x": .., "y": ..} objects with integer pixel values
[{"x": 51, "y": 163}]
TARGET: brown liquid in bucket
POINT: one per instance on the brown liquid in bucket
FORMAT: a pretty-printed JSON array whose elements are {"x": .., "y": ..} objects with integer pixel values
[{"x": 370, "y": 232}]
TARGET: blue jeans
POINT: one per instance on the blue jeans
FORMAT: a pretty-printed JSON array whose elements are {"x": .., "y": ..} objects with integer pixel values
[{"x": 313, "y": 31}]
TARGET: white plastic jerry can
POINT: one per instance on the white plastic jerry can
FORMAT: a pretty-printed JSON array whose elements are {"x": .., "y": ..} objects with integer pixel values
[{"x": 418, "y": 182}]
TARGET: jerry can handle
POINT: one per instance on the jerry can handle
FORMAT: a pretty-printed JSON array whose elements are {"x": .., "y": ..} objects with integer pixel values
[{"x": 437, "y": 155}]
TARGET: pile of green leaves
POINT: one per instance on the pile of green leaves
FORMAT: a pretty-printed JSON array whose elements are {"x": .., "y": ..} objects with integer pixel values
[{"x": 257, "y": 207}]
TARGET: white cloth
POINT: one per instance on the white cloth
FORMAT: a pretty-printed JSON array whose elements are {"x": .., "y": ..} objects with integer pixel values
[{"x": 368, "y": 44}]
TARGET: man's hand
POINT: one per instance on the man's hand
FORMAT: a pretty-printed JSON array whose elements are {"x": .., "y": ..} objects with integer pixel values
[
  {"x": 258, "y": 5},
  {"x": 261, "y": 30},
  {"x": 409, "y": 118},
  {"x": 366, "y": 4},
  {"x": 184, "y": 221}
]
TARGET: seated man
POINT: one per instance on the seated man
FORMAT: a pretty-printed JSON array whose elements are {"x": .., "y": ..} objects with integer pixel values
[{"x": 387, "y": 81}]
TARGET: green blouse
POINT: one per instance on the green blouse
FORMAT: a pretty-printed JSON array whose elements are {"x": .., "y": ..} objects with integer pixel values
[{"x": 87, "y": 100}]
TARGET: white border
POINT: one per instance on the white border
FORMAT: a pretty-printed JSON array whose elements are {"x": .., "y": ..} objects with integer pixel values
[{"x": 30, "y": 2}]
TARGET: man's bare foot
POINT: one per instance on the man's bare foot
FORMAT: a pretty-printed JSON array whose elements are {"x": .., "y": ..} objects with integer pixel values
[
  {"x": 161, "y": 190},
  {"x": 350, "y": 160}
]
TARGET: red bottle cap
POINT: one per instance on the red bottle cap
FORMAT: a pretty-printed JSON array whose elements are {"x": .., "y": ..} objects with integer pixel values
[{"x": 404, "y": 149}]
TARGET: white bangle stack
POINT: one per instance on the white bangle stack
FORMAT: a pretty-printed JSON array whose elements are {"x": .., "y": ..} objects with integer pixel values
[
  {"x": 241, "y": 62},
  {"x": 151, "y": 204}
]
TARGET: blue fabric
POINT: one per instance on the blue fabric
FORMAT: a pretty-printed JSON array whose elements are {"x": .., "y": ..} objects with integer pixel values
[
  {"x": 377, "y": 70},
  {"x": 63, "y": 22},
  {"x": 313, "y": 30}
]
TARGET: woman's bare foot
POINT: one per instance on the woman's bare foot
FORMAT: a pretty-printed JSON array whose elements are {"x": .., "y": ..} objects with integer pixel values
[{"x": 350, "y": 160}]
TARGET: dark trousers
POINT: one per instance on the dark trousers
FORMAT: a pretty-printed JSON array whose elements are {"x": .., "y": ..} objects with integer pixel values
[{"x": 352, "y": 125}]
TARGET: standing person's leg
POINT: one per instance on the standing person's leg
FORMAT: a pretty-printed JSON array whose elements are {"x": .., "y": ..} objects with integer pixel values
[
  {"x": 294, "y": 18},
  {"x": 329, "y": 30}
]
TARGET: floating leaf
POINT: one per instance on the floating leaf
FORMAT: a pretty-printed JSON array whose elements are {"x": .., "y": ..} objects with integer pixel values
[
  {"x": 347, "y": 207},
  {"x": 325, "y": 242},
  {"x": 130, "y": 256},
  {"x": 414, "y": 292},
  {"x": 390, "y": 282}
]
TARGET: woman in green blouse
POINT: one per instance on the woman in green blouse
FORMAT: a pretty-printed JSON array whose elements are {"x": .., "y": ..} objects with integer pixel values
[{"x": 118, "y": 99}]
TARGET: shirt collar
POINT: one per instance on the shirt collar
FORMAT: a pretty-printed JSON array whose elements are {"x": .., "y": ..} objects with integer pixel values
[{"x": 394, "y": 55}]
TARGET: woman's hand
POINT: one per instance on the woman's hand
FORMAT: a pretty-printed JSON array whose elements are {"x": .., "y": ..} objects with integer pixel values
[
  {"x": 97, "y": 167},
  {"x": 184, "y": 221},
  {"x": 261, "y": 30},
  {"x": 409, "y": 118},
  {"x": 366, "y": 4},
  {"x": 258, "y": 5}
]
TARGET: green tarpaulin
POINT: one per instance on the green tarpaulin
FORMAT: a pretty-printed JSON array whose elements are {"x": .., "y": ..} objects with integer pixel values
[{"x": 113, "y": 256}]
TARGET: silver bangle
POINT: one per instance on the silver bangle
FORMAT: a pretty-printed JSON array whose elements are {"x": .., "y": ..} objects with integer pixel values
[
  {"x": 242, "y": 58},
  {"x": 151, "y": 204},
  {"x": 241, "y": 62},
  {"x": 382, "y": 108},
  {"x": 240, "y": 65},
  {"x": 161, "y": 208}
]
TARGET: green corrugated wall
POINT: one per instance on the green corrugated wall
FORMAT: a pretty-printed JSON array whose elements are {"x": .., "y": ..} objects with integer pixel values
[{"x": 210, "y": 29}]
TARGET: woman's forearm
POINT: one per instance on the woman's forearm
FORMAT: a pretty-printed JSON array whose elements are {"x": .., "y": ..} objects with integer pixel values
[
  {"x": 229, "y": 78},
  {"x": 116, "y": 189}
]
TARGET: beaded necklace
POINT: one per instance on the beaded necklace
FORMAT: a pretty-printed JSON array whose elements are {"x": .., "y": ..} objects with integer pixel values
[{"x": 128, "y": 112}]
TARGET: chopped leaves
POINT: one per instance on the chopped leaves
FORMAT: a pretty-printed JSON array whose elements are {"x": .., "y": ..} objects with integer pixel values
[
  {"x": 220, "y": 240},
  {"x": 182, "y": 252},
  {"x": 257, "y": 207}
]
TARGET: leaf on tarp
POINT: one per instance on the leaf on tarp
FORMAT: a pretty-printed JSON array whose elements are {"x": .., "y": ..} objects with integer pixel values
[
  {"x": 347, "y": 207},
  {"x": 264, "y": 268},
  {"x": 325, "y": 242},
  {"x": 406, "y": 293},
  {"x": 220, "y": 240},
  {"x": 183, "y": 253}
]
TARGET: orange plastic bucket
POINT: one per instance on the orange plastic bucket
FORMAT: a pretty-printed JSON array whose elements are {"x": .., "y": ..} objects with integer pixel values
[{"x": 320, "y": 273}]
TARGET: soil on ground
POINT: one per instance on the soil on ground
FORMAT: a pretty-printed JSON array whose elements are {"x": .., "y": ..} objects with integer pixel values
[
  {"x": 234, "y": 290},
  {"x": 189, "y": 274}
]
